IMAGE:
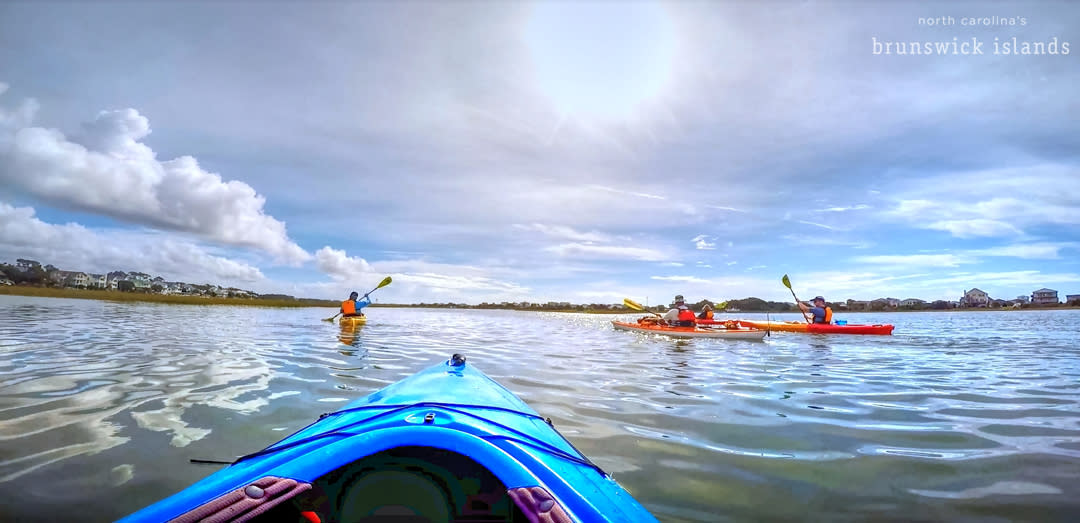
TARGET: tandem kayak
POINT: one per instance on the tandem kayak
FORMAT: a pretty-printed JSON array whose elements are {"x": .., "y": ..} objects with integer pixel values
[
  {"x": 352, "y": 321},
  {"x": 739, "y": 333},
  {"x": 818, "y": 328},
  {"x": 446, "y": 444}
]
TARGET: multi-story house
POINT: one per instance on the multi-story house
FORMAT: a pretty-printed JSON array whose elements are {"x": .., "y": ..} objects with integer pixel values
[
  {"x": 173, "y": 287},
  {"x": 113, "y": 278},
  {"x": 1045, "y": 297},
  {"x": 912, "y": 302},
  {"x": 1070, "y": 298},
  {"x": 79, "y": 279},
  {"x": 975, "y": 298},
  {"x": 97, "y": 281}
]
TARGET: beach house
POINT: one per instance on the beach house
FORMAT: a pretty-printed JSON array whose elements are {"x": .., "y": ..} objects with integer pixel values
[
  {"x": 975, "y": 298},
  {"x": 1045, "y": 297}
]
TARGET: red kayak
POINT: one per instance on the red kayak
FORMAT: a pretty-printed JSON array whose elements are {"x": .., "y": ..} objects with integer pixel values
[{"x": 813, "y": 328}]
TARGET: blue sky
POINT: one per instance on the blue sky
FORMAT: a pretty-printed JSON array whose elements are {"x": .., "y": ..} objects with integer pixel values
[{"x": 575, "y": 151}]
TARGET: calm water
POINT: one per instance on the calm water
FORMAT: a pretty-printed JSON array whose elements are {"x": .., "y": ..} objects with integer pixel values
[{"x": 959, "y": 416}]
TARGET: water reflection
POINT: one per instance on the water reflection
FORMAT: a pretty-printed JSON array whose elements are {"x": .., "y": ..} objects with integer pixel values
[
  {"x": 350, "y": 334},
  {"x": 101, "y": 404}
]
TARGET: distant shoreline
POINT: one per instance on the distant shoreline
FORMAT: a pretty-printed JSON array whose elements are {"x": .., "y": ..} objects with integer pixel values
[
  {"x": 110, "y": 295},
  {"x": 175, "y": 299},
  {"x": 733, "y": 314},
  {"x": 519, "y": 309}
]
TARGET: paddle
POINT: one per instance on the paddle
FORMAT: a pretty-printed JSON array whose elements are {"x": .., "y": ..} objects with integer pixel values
[
  {"x": 634, "y": 305},
  {"x": 787, "y": 283},
  {"x": 386, "y": 281}
]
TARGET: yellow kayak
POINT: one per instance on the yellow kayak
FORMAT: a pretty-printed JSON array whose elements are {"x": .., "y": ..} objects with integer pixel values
[{"x": 352, "y": 321}]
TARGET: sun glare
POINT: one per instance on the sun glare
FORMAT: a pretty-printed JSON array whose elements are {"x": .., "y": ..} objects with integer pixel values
[{"x": 600, "y": 59}]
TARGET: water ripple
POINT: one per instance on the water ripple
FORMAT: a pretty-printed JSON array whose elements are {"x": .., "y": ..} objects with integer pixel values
[{"x": 956, "y": 416}]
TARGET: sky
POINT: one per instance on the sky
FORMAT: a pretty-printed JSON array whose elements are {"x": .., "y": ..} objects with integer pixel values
[{"x": 550, "y": 151}]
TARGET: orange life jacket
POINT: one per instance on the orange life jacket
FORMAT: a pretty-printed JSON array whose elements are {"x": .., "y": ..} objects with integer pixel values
[
  {"x": 685, "y": 314},
  {"x": 828, "y": 315},
  {"x": 348, "y": 308},
  {"x": 705, "y": 315}
]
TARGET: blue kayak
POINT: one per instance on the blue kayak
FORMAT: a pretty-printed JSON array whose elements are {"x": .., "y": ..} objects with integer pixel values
[{"x": 446, "y": 444}]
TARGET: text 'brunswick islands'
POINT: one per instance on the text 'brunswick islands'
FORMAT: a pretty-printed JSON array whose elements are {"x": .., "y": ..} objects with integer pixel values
[{"x": 971, "y": 46}]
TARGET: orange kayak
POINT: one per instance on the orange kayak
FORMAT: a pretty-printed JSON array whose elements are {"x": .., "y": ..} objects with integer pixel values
[
  {"x": 739, "y": 333},
  {"x": 817, "y": 328}
]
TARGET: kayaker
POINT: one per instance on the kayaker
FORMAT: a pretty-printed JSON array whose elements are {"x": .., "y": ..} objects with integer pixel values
[
  {"x": 681, "y": 315},
  {"x": 822, "y": 313},
  {"x": 352, "y": 307},
  {"x": 706, "y": 313}
]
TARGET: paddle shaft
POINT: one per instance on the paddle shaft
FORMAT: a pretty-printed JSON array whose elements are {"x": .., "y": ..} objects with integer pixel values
[{"x": 797, "y": 302}]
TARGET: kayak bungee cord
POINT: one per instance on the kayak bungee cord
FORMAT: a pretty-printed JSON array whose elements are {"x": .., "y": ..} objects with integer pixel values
[{"x": 528, "y": 440}]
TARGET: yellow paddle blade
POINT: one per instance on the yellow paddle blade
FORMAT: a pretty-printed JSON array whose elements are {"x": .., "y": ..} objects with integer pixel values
[
  {"x": 386, "y": 281},
  {"x": 633, "y": 304},
  {"x": 787, "y": 282}
]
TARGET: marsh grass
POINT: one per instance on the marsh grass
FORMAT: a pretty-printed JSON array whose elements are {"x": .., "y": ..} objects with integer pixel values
[{"x": 110, "y": 295}]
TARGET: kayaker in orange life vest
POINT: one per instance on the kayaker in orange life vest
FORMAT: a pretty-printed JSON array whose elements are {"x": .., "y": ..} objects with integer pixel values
[
  {"x": 681, "y": 315},
  {"x": 822, "y": 313},
  {"x": 351, "y": 307},
  {"x": 706, "y": 313}
]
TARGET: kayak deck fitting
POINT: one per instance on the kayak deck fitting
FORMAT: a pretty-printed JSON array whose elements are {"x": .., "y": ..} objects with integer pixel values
[{"x": 446, "y": 444}]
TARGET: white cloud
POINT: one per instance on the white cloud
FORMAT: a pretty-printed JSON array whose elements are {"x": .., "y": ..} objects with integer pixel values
[
  {"x": 991, "y": 202},
  {"x": 339, "y": 265},
  {"x": 800, "y": 239},
  {"x": 975, "y": 228},
  {"x": 580, "y": 250},
  {"x": 1028, "y": 251},
  {"x": 823, "y": 226},
  {"x": 628, "y": 193},
  {"x": 22, "y": 116},
  {"x": 1031, "y": 251},
  {"x": 105, "y": 169},
  {"x": 725, "y": 208},
  {"x": 74, "y": 247},
  {"x": 858, "y": 207},
  {"x": 563, "y": 232},
  {"x": 995, "y": 280},
  {"x": 683, "y": 279},
  {"x": 927, "y": 260},
  {"x": 702, "y": 242},
  {"x": 841, "y": 285},
  {"x": 414, "y": 280},
  {"x": 442, "y": 282}
]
